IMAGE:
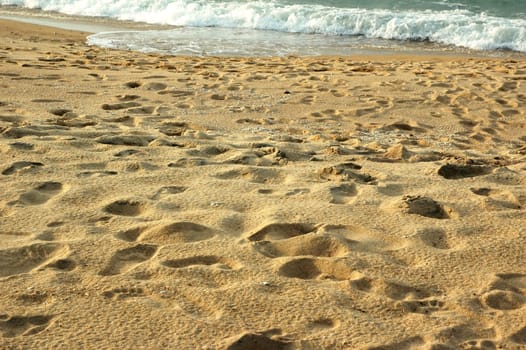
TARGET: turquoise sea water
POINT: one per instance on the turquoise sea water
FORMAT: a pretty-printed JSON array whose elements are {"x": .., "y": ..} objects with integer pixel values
[{"x": 281, "y": 27}]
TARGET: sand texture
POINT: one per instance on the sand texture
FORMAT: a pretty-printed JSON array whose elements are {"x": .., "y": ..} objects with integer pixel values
[{"x": 152, "y": 202}]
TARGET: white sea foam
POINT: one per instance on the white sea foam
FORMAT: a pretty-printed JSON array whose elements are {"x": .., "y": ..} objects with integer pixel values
[{"x": 450, "y": 27}]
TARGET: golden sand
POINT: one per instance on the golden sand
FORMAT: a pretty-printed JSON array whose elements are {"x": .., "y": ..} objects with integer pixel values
[{"x": 153, "y": 202}]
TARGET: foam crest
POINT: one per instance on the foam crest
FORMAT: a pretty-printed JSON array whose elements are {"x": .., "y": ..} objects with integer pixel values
[{"x": 450, "y": 27}]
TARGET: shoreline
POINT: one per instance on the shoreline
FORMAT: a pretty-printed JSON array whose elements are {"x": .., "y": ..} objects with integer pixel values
[
  {"x": 95, "y": 25},
  {"x": 361, "y": 202}
]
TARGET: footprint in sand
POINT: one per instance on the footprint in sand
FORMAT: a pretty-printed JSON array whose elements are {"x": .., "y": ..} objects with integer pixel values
[
  {"x": 316, "y": 268},
  {"x": 21, "y": 166},
  {"x": 504, "y": 300},
  {"x": 124, "y": 293},
  {"x": 125, "y": 260},
  {"x": 255, "y": 175},
  {"x": 177, "y": 232},
  {"x": 435, "y": 238},
  {"x": 466, "y": 336},
  {"x": 126, "y": 140},
  {"x": 494, "y": 199},
  {"x": 426, "y": 306},
  {"x": 120, "y": 105},
  {"x": 313, "y": 244},
  {"x": 260, "y": 341},
  {"x": 459, "y": 171},
  {"x": 97, "y": 173},
  {"x": 346, "y": 172},
  {"x": 16, "y": 261},
  {"x": 133, "y": 84},
  {"x": 126, "y": 153},
  {"x": 423, "y": 206},
  {"x": 155, "y": 86},
  {"x": 415, "y": 342},
  {"x": 188, "y": 163},
  {"x": 126, "y": 207},
  {"x": 22, "y": 146},
  {"x": 392, "y": 290},
  {"x": 264, "y": 156},
  {"x": 202, "y": 260},
  {"x": 167, "y": 191},
  {"x": 410, "y": 299},
  {"x": 343, "y": 194},
  {"x": 323, "y": 324},
  {"x": 277, "y": 231},
  {"x": 40, "y": 194},
  {"x": 506, "y": 292},
  {"x": 519, "y": 337},
  {"x": 14, "y": 326}
]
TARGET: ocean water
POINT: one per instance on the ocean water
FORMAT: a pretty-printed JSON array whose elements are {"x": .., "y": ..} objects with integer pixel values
[{"x": 305, "y": 27}]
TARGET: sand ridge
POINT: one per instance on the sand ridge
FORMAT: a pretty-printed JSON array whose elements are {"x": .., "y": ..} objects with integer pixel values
[{"x": 258, "y": 203}]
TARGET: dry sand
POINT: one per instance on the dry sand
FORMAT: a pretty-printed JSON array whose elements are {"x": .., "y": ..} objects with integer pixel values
[{"x": 152, "y": 202}]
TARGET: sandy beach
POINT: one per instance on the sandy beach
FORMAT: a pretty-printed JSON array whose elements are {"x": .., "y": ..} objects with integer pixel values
[{"x": 158, "y": 202}]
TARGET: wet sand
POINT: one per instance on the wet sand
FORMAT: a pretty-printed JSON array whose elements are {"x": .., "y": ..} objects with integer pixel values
[{"x": 157, "y": 202}]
